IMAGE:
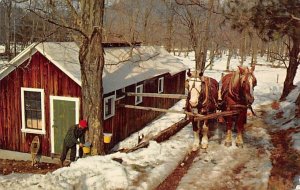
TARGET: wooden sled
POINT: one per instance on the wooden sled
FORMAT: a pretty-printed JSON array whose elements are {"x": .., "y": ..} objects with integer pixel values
[{"x": 34, "y": 149}]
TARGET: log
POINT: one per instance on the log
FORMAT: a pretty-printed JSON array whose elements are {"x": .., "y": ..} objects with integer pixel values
[
  {"x": 173, "y": 129},
  {"x": 156, "y": 95},
  {"x": 161, "y": 136}
]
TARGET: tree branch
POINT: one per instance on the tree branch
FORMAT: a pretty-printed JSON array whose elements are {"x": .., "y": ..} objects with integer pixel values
[
  {"x": 295, "y": 18},
  {"x": 60, "y": 25}
]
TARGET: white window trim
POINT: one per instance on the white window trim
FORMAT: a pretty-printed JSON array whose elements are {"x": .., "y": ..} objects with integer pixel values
[
  {"x": 123, "y": 90},
  {"x": 113, "y": 106},
  {"x": 162, "y": 85},
  {"x": 136, "y": 97},
  {"x": 35, "y": 131}
]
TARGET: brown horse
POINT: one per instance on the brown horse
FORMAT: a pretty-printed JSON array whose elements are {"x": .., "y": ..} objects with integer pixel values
[
  {"x": 237, "y": 94},
  {"x": 202, "y": 98}
]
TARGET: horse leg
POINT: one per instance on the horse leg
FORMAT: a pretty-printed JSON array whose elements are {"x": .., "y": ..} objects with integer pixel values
[
  {"x": 240, "y": 128},
  {"x": 228, "y": 138},
  {"x": 196, "y": 130},
  {"x": 204, "y": 140}
]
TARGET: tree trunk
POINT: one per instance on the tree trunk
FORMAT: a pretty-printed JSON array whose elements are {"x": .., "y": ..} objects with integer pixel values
[
  {"x": 206, "y": 35},
  {"x": 92, "y": 63},
  {"x": 292, "y": 68},
  {"x": 254, "y": 52},
  {"x": 8, "y": 29},
  {"x": 228, "y": 59},
  {"x": 170, "y": 23}
]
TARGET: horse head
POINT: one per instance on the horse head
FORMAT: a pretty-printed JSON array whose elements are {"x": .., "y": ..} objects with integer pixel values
[
  {"x": 247, "y": 83},
  {"x": 194, "y": 86}
]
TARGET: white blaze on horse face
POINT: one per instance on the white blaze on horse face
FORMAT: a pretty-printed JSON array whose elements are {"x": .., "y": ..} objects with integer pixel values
[
  {"x": 251, "y": 85},
  {"x": 194, "y": 90}
]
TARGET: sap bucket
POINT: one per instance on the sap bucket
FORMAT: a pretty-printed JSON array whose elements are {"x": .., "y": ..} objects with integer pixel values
[
  {"x": 86, "y": 148},
  {"x": 107, "y": 137}
]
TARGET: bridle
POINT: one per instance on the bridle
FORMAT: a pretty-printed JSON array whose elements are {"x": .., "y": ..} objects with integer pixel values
[
  {"x": 244, "y": 78},
  {"x": 190, "y": 89},
  {"x": 194, "y": 86}
]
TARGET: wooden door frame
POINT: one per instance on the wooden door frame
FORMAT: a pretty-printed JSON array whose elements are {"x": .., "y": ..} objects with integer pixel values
[{"x": 74, "y": 99}]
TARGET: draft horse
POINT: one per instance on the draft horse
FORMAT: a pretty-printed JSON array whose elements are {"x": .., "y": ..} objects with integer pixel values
[
  {"x": 202, "y": 98},
  {"x": 237, "y": 94}
]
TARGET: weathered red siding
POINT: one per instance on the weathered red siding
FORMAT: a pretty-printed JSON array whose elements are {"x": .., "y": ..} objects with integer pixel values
[
  {"x": 127, "y": 121},
  {"x": 39, "y": 73}
]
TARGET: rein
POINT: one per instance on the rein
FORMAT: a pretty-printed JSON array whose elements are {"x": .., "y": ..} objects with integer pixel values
[
  {"x": 230, "y": 91},
  {"x": 245, "y": 107}
]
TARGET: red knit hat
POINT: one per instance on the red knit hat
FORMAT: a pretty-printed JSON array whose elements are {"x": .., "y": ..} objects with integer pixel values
[{"x": 83, "y": 123}]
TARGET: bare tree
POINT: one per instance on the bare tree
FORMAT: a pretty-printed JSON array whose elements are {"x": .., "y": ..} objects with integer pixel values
[
  {"x": 7, "y": 26},
  {"x": 85, "y": 21}
]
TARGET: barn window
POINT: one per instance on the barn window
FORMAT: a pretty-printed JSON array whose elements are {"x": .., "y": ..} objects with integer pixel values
[
  {"x": 120, "y": 93},
  {"x": 109, "y": 106},
  {"x": 33, "y": 114},
  {"x": 138, "y": 89},
  {"x": 161, "y": 85}
]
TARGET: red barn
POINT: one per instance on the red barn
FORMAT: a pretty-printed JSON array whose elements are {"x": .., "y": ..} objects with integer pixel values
[{"x": 40, "y": 92}]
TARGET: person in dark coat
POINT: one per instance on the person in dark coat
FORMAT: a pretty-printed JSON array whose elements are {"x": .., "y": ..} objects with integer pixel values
[{"x": 74, "y": 133}]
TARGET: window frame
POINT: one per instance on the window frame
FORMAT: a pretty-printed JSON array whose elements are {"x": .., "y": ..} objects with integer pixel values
[
  {"x": 121, "y": 97},
  {"x": 162, "y": 85},
  {"x": 136, "y": 97},
  {"x": 113, "y": 97},
  {"x": 27, "y": 130}
]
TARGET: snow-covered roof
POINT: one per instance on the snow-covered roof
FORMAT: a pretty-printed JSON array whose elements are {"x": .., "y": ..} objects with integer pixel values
[{"x": 123, "y": 65}]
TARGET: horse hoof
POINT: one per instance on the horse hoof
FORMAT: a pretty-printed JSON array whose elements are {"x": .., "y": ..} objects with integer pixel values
[
  {"x": 241, "y": 145},
  {"x": 195, "y": 148},
  {"x": 228, "y": 144},
  {"x": 204, "y": 146}
]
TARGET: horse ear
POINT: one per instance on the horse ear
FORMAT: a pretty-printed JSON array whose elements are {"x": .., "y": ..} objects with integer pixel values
[
  {"x": 189, "y": 73},
  {"x": 186, "y": 84},
  {"x": 252, "y": 69},
  {"x": 241, "y": 70}
]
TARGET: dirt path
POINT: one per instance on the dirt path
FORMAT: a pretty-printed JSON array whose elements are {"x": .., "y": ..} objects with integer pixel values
[
  {"x": 285, "y": 160},
  {"x": 172, "y": 181},
  {"x": 267, "y": 161},
  {"x": 17, "y": 166}
]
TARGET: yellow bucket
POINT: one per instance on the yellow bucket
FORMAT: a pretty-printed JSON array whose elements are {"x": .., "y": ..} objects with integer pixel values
[
  {"x": 107, "y": 137},
  {"x": 86, "y": 150}
]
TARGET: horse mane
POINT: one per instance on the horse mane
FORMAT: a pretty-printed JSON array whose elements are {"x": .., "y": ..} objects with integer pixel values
[
  {"x": 210, "y": 92},
  {"x": 234, "y": 83}
]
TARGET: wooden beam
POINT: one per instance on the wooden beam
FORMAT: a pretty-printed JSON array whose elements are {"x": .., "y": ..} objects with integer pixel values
[
  {"x": 216, "y": 115},
  {"x": 197, "y": 117},
  {"x": 156, "y": 95},
  {"x": 160, "y": 110}
]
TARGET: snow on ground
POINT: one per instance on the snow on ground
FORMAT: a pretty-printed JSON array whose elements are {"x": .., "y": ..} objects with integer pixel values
[
  {"x": 146, "y": 168},
  {"x": 2, "y": 48}
]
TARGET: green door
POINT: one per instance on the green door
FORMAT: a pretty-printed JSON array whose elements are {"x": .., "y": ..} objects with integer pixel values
[{"x": 64, "y": 116}]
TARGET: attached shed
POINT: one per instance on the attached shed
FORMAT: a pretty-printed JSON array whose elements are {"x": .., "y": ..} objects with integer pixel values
[{"x": 40, "y": 92}]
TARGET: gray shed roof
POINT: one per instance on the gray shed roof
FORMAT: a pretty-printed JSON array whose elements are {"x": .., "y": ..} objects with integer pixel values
[{"x": 123, "y": 65}]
